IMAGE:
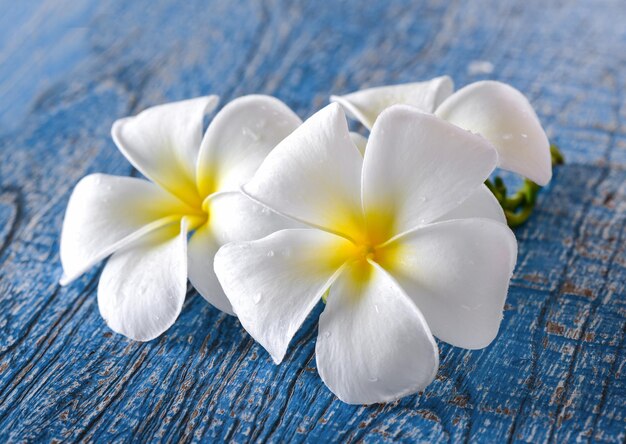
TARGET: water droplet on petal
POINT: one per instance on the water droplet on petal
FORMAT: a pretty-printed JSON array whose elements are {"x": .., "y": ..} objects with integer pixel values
[
  {"x": 507, "y": 136},
  {"x": 373, "y": 379},
  {"x": 525, "y": 136},
  {"x": 250, "y": 134},
  {"x": 257, "y": 298},
  {"x": 376, "y": 308},
  {"x": 327, "y": 334},
  {"x": 270, "y": 253},
  {"x": 261, "y": 123}
]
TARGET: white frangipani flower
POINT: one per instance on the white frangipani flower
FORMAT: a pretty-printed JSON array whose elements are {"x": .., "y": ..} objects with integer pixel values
[
  {"x": 390, "y": 234},
  {"x": 193, "y": 189},
  {"x": 495, "y": 110}
]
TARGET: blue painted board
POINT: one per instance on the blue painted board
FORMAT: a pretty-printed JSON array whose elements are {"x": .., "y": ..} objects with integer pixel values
[{"x": 69, "y": 68}]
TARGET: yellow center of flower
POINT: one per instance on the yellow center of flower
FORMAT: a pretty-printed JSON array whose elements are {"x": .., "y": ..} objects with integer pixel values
[
  {"x": 193, "y": 205},
  {"x": 368, "y": 244}
]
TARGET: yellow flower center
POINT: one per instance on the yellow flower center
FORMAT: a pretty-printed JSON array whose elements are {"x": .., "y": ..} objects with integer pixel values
[
  {"x": 193, "y": 206},
  {"x": 368, "y": 245}
]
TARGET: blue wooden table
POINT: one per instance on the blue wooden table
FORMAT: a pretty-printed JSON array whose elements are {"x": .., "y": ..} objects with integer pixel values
[{"x": 68, "y": 68}]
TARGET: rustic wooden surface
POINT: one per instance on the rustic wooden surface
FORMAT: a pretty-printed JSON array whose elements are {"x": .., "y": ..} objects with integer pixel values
[{"x": 557, "y": 371}]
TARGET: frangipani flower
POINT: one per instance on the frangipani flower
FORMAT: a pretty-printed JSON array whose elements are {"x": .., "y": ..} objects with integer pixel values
[
  {"x": 193, "y": 190},
  {"x": 495, "y": 110},
  {"x": 392, "y": 236}
]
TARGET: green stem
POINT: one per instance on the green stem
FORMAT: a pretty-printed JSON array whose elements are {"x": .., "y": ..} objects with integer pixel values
[
  {"x": 518, "y": 218},
  {"x": 557, "y": 156},
  {"x": 520, "y": 205}
]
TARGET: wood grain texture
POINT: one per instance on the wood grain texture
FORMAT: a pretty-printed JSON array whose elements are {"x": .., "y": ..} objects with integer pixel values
[{"x": 557, "y": 371}]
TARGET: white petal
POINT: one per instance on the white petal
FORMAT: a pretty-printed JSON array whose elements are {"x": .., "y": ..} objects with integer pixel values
[
  {"x": 359, "y": 141},
  {"x": 502, "y": 114},
  {"x": 143, "y": 286},
  {"x": 314, "y": 174},
  {"x": 162, "y": 142},
  {"x": 273, "y": 283},
  {"x": 418, "y": 167},
  {"x": 232, "y": 218},
  {"x": 201, "y": 253},
  {"x": 367, "y": 104},
  {"x": 373, "y": 343},
  {"x": 481, "y": 204},
  {"x": 458, "y": 273},
  {"x": 105, "y": 213},
  {"x": 239, "y": 138}
]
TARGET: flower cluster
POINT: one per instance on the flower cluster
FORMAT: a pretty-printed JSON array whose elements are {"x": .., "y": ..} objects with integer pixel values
[{"x": 267, "y": 216}]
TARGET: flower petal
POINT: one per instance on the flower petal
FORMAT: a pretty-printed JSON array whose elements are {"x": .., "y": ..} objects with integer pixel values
[
  {"x": 239, "y": 138},
  {"x": 143, "y": 286},
  {"x": 162, "y": 142},
  {"x": 359, "y": 141},
  {"x": 273, "y": 283},
  {"x": 201, "y": 252},
  {"x": 373, "y": 343},
  {"x": 367, "y": 104},
  {"x": 457, "y": 272},
  {"x": 418, "y": 167},
  {"x": 481, "y": 204},
  {"x": 502, "y": 115},
  {"x": 105, "y": 213},
  {"x": 232, "y": 218},
  {"x": 314, "y": 174}
]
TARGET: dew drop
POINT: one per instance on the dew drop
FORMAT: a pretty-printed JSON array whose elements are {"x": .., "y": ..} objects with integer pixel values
[
  {"x": 257, "y": 298},
  {"x": 327, "y": 334},
  {"x": 376, "y": 308},
  {"x": 270, "y": 253},
  {"x": 250, "y": 134},
  {"x": 373, "y": 379},
  {"x": 507, "y": 136},
  {"x": 524, "y": 135},
  {"x": 157, "y": 318},
  {"x": 265, "y": 210},
  {"x": 261, "y": 123}
]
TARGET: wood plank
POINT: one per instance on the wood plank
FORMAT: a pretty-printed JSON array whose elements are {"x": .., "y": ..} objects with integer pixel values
[{"x": 557, "y": 371}]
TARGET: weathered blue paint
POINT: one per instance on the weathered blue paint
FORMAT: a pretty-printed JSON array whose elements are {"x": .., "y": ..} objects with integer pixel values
[{"x": 557, "y": 371}]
